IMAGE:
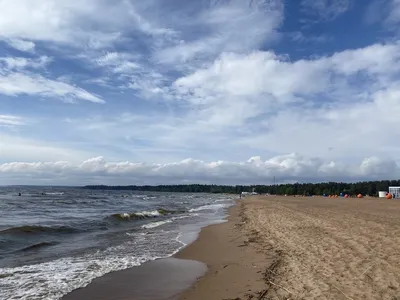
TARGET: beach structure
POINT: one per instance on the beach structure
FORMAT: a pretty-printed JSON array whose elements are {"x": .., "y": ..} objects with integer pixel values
[
  {"x": 382, "y": 194},
  {"x": 395, "y": 191}
]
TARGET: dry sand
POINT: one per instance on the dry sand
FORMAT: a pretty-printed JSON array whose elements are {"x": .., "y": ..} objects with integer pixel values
[{"x": 301, "y": 248}]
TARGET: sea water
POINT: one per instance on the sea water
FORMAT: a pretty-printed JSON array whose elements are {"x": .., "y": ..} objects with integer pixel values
[{"x": 54, "y": 240}]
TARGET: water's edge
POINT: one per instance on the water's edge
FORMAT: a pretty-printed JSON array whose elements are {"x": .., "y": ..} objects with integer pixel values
[{"x": 168, "y": 269}]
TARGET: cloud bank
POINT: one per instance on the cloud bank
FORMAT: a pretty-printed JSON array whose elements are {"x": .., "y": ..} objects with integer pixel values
[{"x": 285, "y": 168}]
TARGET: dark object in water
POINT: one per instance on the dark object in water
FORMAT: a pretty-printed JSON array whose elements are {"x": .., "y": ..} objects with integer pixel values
[{"x": 19, "y": 194}]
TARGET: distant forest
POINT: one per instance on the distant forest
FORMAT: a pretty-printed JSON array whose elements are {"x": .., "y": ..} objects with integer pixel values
[{"x": 330, "y": 188}]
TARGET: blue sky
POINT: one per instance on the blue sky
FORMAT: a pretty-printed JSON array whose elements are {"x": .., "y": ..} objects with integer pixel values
[{"x": 221, "y": 91}]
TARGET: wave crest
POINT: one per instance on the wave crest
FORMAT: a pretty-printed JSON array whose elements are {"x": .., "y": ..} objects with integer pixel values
[{"x": 143, "y": 214}]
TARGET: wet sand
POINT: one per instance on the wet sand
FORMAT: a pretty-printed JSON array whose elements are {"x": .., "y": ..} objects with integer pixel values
[
  {"x": 277, "y": 248},
  {"x": 236, "y": 266},
  {"x": 160, "y": 279}
]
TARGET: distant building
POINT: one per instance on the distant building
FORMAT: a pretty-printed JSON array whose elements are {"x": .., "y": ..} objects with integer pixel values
[{"x": 395, "y": 191}]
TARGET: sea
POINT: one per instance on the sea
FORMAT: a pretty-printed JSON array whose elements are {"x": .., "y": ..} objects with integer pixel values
[{"x": 55, "y": 240}]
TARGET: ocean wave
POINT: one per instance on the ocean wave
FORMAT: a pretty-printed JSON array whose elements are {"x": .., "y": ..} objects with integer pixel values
[
  {"x": 156, "y": 224},
  {"x": 53, "y": 193},
  {"x": 38, "y": 281},
  {"x": 37, "y": 246},
  {"x": 54, "y": 279},
  {"x": 34, "y": 229},
  {"x": 208, "y": 207},
  {"x": 160, "y": 223},
  {"x": 143, "y": 214}
]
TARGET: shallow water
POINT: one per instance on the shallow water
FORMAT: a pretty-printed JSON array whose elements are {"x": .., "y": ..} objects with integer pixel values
[{"x": 54, "y": 240}]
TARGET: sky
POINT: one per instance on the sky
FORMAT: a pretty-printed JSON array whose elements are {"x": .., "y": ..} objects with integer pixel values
[{"x": 198, "y": 91}]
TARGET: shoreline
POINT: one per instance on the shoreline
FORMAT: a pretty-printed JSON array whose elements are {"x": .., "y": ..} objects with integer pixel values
[
  {"x": 282, "y": 248},
  {"x": 221, "y": 263},
  {"x": 236, "y": 267},
  {"x": 173, "y": 275}
]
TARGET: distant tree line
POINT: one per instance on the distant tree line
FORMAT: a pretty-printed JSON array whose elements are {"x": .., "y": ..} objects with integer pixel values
[{"x": 330, "y": 188}]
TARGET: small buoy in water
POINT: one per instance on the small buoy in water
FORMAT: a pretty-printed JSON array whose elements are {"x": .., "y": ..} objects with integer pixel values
[{"x": 19, "y": 194}]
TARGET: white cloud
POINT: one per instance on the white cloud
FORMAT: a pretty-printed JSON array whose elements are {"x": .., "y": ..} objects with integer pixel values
[
  {"x": 12, "y": 63},
  {"x": 13, "y": 84},
  {"x": 78, "y": 23},
  {"x": 9, "y": 120},
  {"x": 386, "y": 12},
  {"x": 285, "y": 168},
  {"x": 22, "y": 45},
  {"x": 334, "y": 107},
  {"x": 118, "y": 62},
  {"x": 222, "y": 27},
  {"x": 252, "y": 75},
  {"x": 326, "y": 10},
  {"x": 394, "y": 12},
  {"x": 263, "y": 80},
  {"x": 15, "y": 79}
]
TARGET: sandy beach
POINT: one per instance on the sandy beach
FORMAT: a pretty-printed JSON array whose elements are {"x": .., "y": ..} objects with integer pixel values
[
  {"x": 281, "y": 248},
  {"x": 302, "y": 248}
]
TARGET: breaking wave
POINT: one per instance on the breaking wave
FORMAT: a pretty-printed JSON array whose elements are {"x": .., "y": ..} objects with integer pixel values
[
  {"x": 208, "y": 207},
  {"x": 143, "y": 214},
  {"x": 160, "y": 223}
]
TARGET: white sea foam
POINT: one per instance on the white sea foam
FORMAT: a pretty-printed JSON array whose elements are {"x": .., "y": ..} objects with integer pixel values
[
  {"x": 51, "y": 280},
  {"x": 156, "y": 224},
  {"x": 153, "y": 213},
  {"x": 160, "y": 223},
  {"x": 209, "y": 207},
  {"x": 144, "y": 214},
  {"x": 54, "y": 279},
  {"x": 54, "y": 193}
]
